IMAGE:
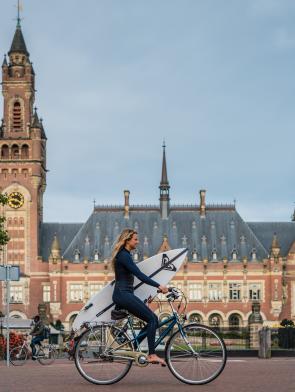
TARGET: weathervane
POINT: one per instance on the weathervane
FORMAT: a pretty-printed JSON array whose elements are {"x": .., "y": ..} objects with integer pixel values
[{"x": 19, "y": 9}]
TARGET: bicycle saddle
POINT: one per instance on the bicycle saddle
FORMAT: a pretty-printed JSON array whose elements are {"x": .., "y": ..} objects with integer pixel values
[{"x": 118, "y": 313}]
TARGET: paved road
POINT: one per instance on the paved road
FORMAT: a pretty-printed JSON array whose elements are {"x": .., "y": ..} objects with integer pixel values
[{"x": 240, "y": 375}]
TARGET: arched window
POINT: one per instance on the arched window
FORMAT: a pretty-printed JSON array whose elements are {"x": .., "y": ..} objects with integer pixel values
[
  {"x": 5, "y": 152},
  {"x": 234, "y": 321},
  {"x": 14, "y": 151},
  {"x": 17, "y": 117},
  {"x": 195, "y": 318},
  {"x": 215, "y": 320},
  {"x": 25, "y": 151}
]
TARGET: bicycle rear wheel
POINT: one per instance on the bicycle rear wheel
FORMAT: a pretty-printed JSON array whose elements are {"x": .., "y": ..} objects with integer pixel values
[
  {"x": 18, "y": 355},
  {"x": 47, "y": 355},
  {"x": 196, "y": 357},
  {"x": 97, "y": 355}
]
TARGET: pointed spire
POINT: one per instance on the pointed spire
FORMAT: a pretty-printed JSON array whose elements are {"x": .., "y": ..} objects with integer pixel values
[
  {"x": 275, "y": 246},
  {"x": 43, "y": 134},
  {"x": 55, "y": 248},
  {"x": 275, "y": 242},
  {"x": 36, "y": 122},
  {"x": 4, "y": 64},
  {"x": 164, "y": 179},
  {"x": 18, "y": 43},
  {"x": 164, "y": 188},
  {"x": 165, "y": 246}
]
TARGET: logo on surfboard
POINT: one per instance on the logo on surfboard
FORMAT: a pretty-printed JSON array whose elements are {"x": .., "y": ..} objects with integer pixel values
[{"x": 165, "y": 264}]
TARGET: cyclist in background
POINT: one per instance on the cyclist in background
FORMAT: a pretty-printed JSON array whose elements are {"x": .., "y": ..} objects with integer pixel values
[{"x": 37, "y": 333}]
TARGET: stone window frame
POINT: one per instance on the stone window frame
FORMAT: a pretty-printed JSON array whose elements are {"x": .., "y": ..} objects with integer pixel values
[
  {"x": 235, "y": 282},
  {"x": 217, "y": 282},
  {"x": 69, "y": 290},
  {"x": 92, "y": 292},
  {"x": 18, "y": 290},
  {"x": 200, "y": 284},
  {"x": 262, "y": 291},
  {"x": 46, "y": 293}
]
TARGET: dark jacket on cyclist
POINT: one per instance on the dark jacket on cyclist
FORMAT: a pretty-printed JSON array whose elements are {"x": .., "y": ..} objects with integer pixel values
[
  {"x": 38, "y": 329},
  {"x": 38, "y": 335}
]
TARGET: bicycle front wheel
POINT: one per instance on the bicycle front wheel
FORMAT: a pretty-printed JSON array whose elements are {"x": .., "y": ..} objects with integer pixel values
[
  {"x": 100, "y": 354},
  {"x": 47, "y": 355},
  {"x": 196, "y": 354},
  {"x": 18, "y": 355}
]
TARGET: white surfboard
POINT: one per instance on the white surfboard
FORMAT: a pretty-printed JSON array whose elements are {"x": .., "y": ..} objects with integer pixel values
[{"x": 161, "y": 268}]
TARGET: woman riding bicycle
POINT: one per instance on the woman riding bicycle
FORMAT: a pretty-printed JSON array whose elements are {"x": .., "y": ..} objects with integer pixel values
[{"x": 123, "y": 296}]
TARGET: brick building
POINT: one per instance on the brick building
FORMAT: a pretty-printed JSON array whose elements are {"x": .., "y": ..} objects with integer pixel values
[{"x": 230, "y": 262}]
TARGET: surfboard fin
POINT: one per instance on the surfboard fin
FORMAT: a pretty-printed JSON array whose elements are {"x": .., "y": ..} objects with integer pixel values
[{"x": 88, "y": 306}]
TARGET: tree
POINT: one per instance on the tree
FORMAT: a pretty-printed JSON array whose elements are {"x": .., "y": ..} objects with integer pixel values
[
  {"x": 287, "y": 323},
  {"x": 4, "y": 237},
  {"x": 58, "y": 325}
]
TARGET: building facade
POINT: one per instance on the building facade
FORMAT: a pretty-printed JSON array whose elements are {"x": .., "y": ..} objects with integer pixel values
[{"x": 230, "y": 262}]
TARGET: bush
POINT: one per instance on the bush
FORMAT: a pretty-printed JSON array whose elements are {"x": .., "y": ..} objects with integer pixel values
[
  {"x": 287, "y": 323},
  {"x": 14, "y": 341}
]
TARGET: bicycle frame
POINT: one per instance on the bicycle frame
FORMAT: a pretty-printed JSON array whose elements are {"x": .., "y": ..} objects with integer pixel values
[{"x": 171, "y": 321}]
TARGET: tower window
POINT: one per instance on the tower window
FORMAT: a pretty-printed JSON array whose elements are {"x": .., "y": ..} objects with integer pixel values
[
  {"x": 25, "y": 151},
  {"x": 15, "y": 151},
  {"x": 5, "y": 152},
  {"x": 17, "y": 117}
]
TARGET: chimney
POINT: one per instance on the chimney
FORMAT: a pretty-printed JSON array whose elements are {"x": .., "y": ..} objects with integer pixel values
[
  {"x": 126, "y": 204},
  {"x": 202, "y": 203}
]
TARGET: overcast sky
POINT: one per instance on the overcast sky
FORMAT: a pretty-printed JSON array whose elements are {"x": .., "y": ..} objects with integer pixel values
[{"x": 115, "y": 77}]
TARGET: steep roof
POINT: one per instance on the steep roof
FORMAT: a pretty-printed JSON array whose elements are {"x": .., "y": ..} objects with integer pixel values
[
  {"x": 18, "y": 43},
  {"x": 222, "y": 231},
  {"x": 285, "y": 232},
  {"x": 65, "y": 232}
]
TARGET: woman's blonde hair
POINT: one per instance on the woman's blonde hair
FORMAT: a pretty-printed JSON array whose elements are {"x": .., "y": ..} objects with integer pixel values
[{"x": 125, "y": 236}]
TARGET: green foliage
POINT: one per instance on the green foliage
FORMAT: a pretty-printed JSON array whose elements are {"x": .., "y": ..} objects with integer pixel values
[
  {"x": 58, "y": 325},
  {"x": 4, "y": 237},
  {"x": 287, "y": 323}
]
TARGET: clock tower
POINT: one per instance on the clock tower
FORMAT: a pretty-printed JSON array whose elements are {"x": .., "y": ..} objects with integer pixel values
[{"x": 23, "y": 158}]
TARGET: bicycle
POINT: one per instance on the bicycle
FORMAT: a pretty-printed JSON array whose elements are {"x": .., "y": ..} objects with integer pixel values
[
  {"x": 194, "y": 353},
  {"x": 45, "y": 354}
]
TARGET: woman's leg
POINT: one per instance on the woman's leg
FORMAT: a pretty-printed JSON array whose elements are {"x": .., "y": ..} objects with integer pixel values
[{"x": 135, "y": 306}]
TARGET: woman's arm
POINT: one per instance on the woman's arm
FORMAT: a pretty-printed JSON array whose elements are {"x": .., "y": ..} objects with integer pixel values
[{"x": 128, "y": 263}]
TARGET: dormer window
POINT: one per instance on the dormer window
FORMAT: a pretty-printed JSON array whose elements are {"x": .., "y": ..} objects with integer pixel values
[
  {"x": 253, "y": 254},
  {"x": 77, "y": 255},
  {"x": 214, "y": 255},
  {"x": 195, "y": 255},
  {"x": 234, "y": 254},
  {"x": 96, "y": 255},
  {"x": 136, "y": 256}
]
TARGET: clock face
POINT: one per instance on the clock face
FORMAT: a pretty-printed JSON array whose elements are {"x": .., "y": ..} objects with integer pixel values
[{"x": 15, "y": 200}]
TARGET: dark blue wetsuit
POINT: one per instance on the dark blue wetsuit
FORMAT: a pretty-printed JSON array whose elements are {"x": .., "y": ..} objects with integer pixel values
[{"x": 123, "y": 295}]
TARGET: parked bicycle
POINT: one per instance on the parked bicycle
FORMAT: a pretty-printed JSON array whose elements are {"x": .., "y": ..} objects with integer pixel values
[
  {"x": 45, "y": 354},
  {"x": 194, "y": 353}
]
